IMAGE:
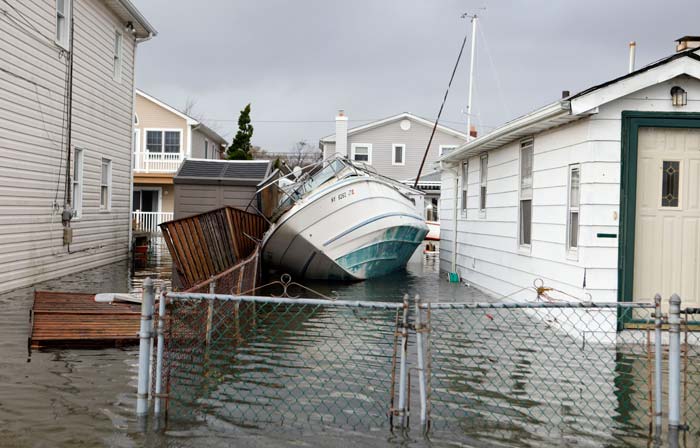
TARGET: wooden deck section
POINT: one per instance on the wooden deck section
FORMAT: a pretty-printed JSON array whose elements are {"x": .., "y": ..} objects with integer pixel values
[{"x": 74, "y": 319}]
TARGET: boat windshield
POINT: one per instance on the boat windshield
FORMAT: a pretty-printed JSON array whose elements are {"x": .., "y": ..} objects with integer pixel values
[{"x": 335, "y": 168}]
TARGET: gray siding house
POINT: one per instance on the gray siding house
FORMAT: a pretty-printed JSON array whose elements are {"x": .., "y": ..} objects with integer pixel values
[
  {"x": 394, "y": 146},
  {"x": 41, "y": 174}
]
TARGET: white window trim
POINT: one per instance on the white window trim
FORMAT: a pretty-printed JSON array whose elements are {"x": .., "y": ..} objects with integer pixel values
[
  {"x": 106, "y": 207},
  {"x": 464, "y": 186},
  {"x": 118, "y": 57},
  {"x": 369, "y": 152},
  {"x": 521, "y": 197},
  {"x": 444, "y": 147},
  {"x": 162, "y": 144},
  {"x": 403, "y": 154},
  {"x": 483, "y": 182},
  {"x": 572, "y": 252},
  {"x": 65, "y": 42},
  {"x": 78, "y": 155}
]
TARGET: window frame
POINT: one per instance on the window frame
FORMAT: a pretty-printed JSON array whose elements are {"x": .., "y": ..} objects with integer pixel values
[
  {"x": 403, "y": 154},
  {"x": 118, "y": 56},
  {"x": 483, "y": 183},
  {"x": 162, "y": 139},
  {"x": 681, "y": 170},
  {"x": 442, "y": 149},
  {"x": 63, "y": 40},
  {"x": 525, "y": 191},
  {"x": 108, "y": 205},
  {"x": 464, "y": 187},
  {"x": 572, "y": 251},
  {"x": 353, "y": 148},
  {"x": 77, "y": 182}
]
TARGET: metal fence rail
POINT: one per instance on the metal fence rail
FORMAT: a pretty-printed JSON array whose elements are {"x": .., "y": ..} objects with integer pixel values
[{"x": 561, "y": 368}]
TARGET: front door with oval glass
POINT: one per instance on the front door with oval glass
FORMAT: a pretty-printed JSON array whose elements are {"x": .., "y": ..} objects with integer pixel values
[{"x": 667, "y": 216}]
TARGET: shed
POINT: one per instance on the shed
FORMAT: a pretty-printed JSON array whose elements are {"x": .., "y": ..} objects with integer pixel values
[{"x": 203, "y": 185}]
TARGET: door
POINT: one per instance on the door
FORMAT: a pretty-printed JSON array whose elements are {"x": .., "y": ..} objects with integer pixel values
[{"x": 667, "y": 215}]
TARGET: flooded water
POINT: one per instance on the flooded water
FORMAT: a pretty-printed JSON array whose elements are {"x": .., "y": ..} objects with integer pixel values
[{"x": 86, "y": 398}]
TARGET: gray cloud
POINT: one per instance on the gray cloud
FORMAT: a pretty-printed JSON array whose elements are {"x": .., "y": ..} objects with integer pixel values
[{"x": 302, "y": 60}]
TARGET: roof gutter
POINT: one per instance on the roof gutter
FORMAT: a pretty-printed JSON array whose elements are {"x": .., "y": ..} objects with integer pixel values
[
  {"x": 551, "y": 111},
  {"x": 136, "y": 14}
]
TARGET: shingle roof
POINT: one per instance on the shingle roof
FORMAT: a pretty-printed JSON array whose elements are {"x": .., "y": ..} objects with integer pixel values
[{"x": 230, "y": 172}]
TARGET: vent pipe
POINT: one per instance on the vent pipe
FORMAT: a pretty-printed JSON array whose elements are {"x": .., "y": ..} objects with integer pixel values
[{"x": 633, "y": 49}]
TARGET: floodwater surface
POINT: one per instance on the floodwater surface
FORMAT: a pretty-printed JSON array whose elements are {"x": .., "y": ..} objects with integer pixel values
[{"x": 85, "y": 398}]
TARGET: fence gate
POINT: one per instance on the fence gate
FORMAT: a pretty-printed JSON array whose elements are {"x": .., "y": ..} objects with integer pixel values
[{"x": 551, "y": 373}]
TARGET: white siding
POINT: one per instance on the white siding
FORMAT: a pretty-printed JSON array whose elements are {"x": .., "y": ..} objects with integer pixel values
[
  {"x": 488, "y": 252},
  {"x": 32, "y": 84}
]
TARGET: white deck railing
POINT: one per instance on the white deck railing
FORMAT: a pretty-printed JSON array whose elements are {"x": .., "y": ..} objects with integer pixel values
[
  {"x": 157, "y": 162},
  {"x": 149, "y": 221}
]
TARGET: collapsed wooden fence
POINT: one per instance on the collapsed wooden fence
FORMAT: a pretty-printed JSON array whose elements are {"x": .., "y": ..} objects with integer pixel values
[{"x": 209, "y": 244}]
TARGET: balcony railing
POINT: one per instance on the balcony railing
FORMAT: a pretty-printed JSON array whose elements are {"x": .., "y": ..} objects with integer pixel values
[
  {"x": 157, "y": 162},
  {"x": 149, "y": 221}
]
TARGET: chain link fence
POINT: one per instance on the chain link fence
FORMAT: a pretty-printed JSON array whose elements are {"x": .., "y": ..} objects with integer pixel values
[
  {"x": 501, "y": 373},
  {"x": 268, "y": 362},
  {"x": 541, "y": 371}
]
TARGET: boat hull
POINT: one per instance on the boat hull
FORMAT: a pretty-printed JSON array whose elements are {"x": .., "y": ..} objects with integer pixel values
[{"x": 354, "y": 229}]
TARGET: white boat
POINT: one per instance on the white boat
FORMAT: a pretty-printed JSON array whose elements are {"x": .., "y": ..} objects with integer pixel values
[
  {"x": 433, "y": 231},
  {"x": 341, "y": 221}
]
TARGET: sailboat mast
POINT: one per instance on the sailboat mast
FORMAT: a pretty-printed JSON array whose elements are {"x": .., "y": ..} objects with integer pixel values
[{"x": 471, "y": 78}]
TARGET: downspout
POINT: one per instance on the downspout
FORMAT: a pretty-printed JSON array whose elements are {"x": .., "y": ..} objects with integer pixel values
[
  {"x": 454, "y": 217},
  {"x": 137, "y": 41}
]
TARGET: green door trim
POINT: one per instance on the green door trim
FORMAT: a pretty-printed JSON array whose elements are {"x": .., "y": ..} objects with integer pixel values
[{"x": 631, "y": 122}]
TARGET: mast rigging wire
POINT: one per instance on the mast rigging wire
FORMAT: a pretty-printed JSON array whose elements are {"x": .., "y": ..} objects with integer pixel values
[{"x": 437, "y": 120}]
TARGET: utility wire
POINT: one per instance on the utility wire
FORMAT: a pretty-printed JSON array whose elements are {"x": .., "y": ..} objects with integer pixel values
[
  {"x": 437, "y": 120},
  {"x": 495, "y": 73}
]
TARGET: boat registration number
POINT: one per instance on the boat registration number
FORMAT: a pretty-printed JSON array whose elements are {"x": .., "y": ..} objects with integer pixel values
[{"x": 343, "y": 195}]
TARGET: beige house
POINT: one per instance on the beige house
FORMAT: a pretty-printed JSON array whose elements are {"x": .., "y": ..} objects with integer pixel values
[
  {"x": 163, "y": 138},
  {"x": 65, "y": 153}
]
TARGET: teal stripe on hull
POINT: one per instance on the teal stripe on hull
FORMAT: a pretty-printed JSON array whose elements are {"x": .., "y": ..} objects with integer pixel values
[{"x": 383, "y": 257}]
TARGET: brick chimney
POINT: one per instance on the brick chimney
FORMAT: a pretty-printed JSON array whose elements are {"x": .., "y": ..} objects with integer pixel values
[
  {"x": 341, "y": 133},
  {"x": 472, "y": 131}
]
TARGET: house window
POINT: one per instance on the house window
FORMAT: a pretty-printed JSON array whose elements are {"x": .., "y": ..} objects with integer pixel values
[
  {"x": 526, "y": 158},
  {"x": 62, "y": 22},
  {"x": 465, "y": 184},
  {"x": 670, "y": 183},
  {"x": 574, "y": 201},
  {"x": 117, "y": 69},
  {"x": 398, "y": 154},
  {"x": 206, "y": 149},
  {"x": 446, "y": 149},
  {"x": 362, "y": 152},
  {"x": 163, "y": 141},
  {"x": 106, "y": 185},
  {"x": 77, "y": 182},
  {"x": 483, "y": 181}
]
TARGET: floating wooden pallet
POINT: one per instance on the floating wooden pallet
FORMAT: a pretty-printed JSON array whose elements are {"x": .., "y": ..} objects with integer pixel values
[{"x": 75, "y": 319}]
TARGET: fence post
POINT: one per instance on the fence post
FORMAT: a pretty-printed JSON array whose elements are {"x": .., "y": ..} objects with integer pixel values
[
  {"x": 159, "y": 353},
  {"x": 402, "y": 368},
  {"x": 658, "y": 366},
  {"x": 421, "y": 363},
  {"x": 674, "y": 364},
  {"x": 210, "y": 310},
  {"x": 145, "y": 334}
]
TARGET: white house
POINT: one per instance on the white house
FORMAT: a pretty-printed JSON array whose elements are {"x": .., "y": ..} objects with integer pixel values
[
  {"x": 598, "y": 193},
  {"x": 65, "y": 135}
]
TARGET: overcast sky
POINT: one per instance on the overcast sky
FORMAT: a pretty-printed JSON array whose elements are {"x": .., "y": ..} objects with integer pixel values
[{"x": 300, "y": 61}]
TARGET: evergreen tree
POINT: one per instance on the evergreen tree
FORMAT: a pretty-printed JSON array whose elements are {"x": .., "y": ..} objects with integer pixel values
[{"x": 240, "y": 148}]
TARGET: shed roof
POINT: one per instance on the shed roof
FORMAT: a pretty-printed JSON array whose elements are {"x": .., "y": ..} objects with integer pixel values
[
  {"x": 222, "y": 172},
  {"x": 582, "y": 104}
]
